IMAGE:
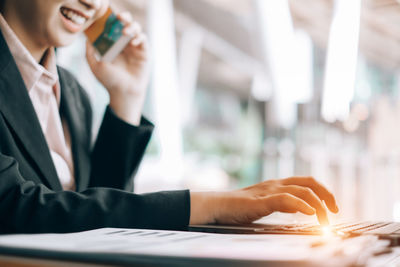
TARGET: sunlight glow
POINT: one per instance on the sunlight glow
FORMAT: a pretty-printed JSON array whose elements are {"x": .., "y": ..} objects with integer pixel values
[{"x": 327, "y": 232}]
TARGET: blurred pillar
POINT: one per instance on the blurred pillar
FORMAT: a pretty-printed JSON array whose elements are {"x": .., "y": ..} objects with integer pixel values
[
  {"x": 342, "y": 60},
  {"x": 275, "y": 28},
  {"x": 165, "y": 88},
  {"x": 191, "y": 46},
  {"x": 288, "y": 57}
]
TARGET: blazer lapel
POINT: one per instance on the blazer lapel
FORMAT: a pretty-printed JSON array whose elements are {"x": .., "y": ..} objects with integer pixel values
[
  {"x": 72, "y": 110},
  {"x": 17, "y": 108}
]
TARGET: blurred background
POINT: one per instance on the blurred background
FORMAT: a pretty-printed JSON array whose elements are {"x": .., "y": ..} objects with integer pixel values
[{"x": 248, "y": 90}]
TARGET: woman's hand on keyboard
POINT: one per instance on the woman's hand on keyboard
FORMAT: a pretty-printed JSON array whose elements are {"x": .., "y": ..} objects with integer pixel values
[{"x": 291, "y": 195}]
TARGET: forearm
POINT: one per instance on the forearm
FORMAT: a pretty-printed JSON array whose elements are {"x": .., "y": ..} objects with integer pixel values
[
  {"x": 127, "y": 108},
  {"x": 27, "y": 207}
]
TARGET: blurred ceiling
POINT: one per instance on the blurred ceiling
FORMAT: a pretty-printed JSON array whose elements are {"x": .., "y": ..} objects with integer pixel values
[
  {"x": 231, "y": 25},
  {"x": 380, "y": 31}
]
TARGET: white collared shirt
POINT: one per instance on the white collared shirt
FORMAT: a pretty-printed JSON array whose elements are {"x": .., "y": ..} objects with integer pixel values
[{"x": 43, "y": 86}]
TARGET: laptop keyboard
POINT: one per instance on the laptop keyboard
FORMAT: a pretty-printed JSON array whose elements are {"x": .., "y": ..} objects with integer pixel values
[{"x": 376, "y": 228}]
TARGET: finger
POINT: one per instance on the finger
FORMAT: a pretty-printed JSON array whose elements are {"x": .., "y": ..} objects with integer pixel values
[
  {"x": 288, "y": 203},
  {"x": 132, "y": 29},
  {"x": 138, "y": 47},
  {"x": 140, "y": 39},
  {"x": 310, "y": 198},
  {"x": 90, "y": 55},
  {"x": 125, "y": 17},
  {"x": 319, "y": 189}
]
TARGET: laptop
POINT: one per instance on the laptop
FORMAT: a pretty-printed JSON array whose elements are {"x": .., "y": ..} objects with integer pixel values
[{"x": 384, "y": 230}]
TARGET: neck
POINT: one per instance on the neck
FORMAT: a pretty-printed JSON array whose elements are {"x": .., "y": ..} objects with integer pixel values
[{"x": 36, "y": 49}]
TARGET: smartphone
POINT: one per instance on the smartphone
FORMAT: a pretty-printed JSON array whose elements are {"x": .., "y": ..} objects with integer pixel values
[{"x": 106, "y": 36}]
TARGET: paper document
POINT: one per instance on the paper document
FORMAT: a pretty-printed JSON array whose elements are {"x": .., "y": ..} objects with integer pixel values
[{"x": 122, "y": 246}]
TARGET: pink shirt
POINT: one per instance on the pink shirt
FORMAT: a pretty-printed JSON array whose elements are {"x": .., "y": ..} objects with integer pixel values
[{"x": 43, "y": 86}]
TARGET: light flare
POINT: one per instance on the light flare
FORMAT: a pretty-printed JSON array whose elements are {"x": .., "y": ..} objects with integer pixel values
[{"x": 327, "y": 232}]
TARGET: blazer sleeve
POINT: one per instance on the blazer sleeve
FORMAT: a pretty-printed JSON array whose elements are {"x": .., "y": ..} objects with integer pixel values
[
  {"x": 26, "y": 207},
  {"x": 118, "y": 151}
]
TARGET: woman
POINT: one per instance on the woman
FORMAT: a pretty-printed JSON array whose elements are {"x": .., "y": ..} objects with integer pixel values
[{"x": 51, "y": 180}]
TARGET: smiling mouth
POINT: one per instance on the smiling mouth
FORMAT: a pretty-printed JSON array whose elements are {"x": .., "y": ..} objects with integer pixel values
[{"x": 73, "y": 15}]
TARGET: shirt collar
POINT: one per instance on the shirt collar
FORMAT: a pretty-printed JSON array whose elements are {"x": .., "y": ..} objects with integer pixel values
[{"x": 31, "y": 71}]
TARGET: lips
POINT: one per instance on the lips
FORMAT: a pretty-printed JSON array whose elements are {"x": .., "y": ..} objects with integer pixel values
[{"x": 73, "y": 19}]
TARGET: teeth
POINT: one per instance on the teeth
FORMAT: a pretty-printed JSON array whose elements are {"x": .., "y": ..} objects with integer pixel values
[{"x": 73, "y": 16}]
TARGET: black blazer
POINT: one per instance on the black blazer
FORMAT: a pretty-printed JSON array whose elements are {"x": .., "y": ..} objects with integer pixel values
[{"x": 31, "y": 196}]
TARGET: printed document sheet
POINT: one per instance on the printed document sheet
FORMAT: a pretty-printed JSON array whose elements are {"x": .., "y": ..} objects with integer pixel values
[{"x": 128, "y": 245}]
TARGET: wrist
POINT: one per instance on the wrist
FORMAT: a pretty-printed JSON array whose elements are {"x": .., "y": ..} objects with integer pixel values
[
  {"x": 206, "y": 207},
  {"x": 127, "y": 108}
]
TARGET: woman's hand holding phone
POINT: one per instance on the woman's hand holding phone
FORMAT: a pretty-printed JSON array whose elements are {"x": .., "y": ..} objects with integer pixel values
[{"x": 126, "y": 78}]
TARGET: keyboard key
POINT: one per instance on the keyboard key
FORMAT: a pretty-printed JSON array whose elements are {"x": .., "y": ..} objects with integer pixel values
[{"x": 388, "y": 229}]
